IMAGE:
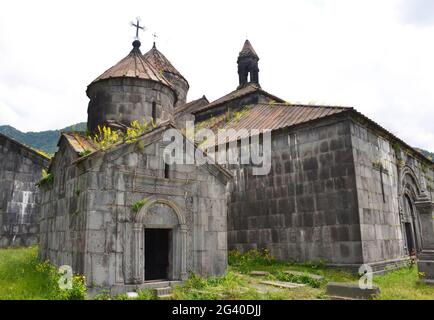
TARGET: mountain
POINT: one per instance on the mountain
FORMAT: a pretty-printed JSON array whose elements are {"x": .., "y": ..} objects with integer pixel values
[
  {"x": 429, "y": 155},
  {"x": 44, "y": 140}
]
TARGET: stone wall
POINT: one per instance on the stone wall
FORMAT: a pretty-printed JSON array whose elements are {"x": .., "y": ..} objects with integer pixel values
[
  {"x": 233, "y": 105},
  {"x": 127, "y": 99},
  {"x": 306, "y": 207},
  {"x": 380, "y": 193},
  {"x": 111, "y": 244},
  {"x": 20, "y": 170},
  {"x": 180, "y": 85},
  {"x": 63, "y": 219}
]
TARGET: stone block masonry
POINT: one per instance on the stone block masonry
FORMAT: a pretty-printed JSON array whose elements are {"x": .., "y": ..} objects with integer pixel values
[
  {"x": 306, "y": 208},
  {"x": 20, "y": 170},
  {"x": 89, "y": 211}
]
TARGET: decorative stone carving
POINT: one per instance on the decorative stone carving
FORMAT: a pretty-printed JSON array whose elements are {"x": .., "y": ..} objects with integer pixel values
[
  {"x": 426, "y": 257},
  {"x": 161, "y": 213}
]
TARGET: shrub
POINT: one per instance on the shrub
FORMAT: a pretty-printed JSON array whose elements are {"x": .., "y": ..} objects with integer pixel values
[
  {"x": 139, "y": 204},
  {"x": 84, "y": 153},
  {"x": 147, "y": 294},
  {"x": 46, "y": 180},
  {"x": 298, "y": 278},
  {"x": 229, "y": 286},
  {"x": 251, "y": 258},
  {"x": 106, "y": 137},
  {"x": 136, "y": 129},
  {"x": 78, "y": 290},
  {"x": 103, "y": 295}
]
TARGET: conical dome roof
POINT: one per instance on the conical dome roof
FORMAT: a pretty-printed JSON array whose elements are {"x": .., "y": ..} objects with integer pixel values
[
  {"x": 248, "y": 51},
  {"x": 160, "y": 62},
  {"x": 134, "y": 65}
]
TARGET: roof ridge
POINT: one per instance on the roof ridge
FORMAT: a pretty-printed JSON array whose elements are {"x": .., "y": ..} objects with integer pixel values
[
  {"x": 155, "y": 56},
  {"x": 289, "y": 104}
]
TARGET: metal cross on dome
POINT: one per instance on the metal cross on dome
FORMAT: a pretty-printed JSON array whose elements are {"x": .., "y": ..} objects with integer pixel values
[{"x": 138, "y": 27}]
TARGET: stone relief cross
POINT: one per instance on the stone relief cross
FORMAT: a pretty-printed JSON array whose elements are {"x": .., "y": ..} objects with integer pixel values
[{"x": 138, "y": 27}]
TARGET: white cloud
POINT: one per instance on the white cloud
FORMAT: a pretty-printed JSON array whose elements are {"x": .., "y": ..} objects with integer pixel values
[
  {"x": 417, "y": 12},
  {"x": 374, "y": 55}
]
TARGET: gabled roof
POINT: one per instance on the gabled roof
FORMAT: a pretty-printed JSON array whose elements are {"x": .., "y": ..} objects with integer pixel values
[
  {"x": 192, "y": 105},
  {"x": 134, "y": 65},
  {"x": 236, "y": 94},
  {"x": 160, "y": 62},
  {"x": 24, "y": 149},
  {"x": 248, "y": 51},
  {"x": 80, "y": 142}
]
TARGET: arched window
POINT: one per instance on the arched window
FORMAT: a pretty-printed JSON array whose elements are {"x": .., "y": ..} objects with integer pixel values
[
  {"x": 154, "y": 111},
  {"x": 166, "y": 171}
]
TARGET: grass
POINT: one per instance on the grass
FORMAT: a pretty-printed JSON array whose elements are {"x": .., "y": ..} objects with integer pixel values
[
  {"x": 402, "y": 284},
  {"x": 22, "y": 276},
  {"x": 19, "y": 278}
]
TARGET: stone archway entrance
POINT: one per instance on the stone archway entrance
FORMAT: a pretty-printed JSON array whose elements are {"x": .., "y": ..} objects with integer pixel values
[
  {"x": 411, "y": 193},
  {"x": 160, "y": 240}
]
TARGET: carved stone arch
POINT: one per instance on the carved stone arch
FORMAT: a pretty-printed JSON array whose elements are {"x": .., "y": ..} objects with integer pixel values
[
  {"x": 408, "y": 173},
  {"x": 151, "y": 201},
  {"x": 178, "y": 243},
  {"x": 411, "y": 190}
]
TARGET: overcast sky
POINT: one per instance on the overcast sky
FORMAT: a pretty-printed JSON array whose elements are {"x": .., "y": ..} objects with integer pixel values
[{"x": 377, "y": 56}]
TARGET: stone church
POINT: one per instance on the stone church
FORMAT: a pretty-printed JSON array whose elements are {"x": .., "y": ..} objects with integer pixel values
[
  {"x": 341, "y": 189},
  {"x": 121, "y": 216}
]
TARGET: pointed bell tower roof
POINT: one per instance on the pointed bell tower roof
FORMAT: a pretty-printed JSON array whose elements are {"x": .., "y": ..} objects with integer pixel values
[
  {"x": 134, "y": 65},
  {"x": 248, "y": 51}
]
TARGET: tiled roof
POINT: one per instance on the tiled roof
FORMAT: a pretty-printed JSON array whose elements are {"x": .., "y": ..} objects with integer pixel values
[
  {"x": 248, "y": 51},
  {"x": 274, "y": 116},
  {"x": 79, "y": 142},
  {"x": 244, "y": 91},
  {"x": 193, "y": 105},
  {"x": 160, "y": 62},
  {"x": 134, "y": 65}
]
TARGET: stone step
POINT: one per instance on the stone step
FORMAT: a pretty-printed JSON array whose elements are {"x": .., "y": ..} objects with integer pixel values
[
  {"x": 259, "y": 273},
  {"x": 163, "y": 292},
  {"x": 282, "y": 284},
  {"x": 157, "y": 284},
  {"x": 350, "y": 291}
]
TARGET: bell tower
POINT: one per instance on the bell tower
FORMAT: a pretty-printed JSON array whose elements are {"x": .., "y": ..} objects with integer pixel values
[{"x": 248, "y": 71}]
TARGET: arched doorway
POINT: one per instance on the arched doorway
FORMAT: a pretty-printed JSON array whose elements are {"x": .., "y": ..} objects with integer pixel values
[
  {"x": 159, "y": 247},
  {"x": 411, "y": 192},
  {"x": 410, "y": 227}
]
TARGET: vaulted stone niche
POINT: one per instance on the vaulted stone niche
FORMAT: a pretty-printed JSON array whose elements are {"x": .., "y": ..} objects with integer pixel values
[
  {"x": 160, "y": 214},
  {"x": 411, "y": 196}
]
